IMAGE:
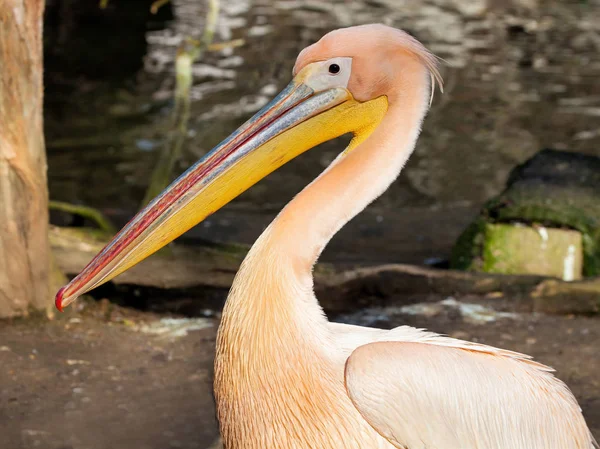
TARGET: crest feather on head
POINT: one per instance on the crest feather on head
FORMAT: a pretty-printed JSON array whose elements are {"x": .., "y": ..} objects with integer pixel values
[{"x": 343, "y": 42}]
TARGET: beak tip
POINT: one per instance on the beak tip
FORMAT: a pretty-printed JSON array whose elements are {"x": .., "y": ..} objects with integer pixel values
[{"x": 58, "y": 302}]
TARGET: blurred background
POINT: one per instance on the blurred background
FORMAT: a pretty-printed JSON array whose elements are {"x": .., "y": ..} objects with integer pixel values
[
  {"x": 132, "y": 366},
  {"x": 519, "y": 76}
]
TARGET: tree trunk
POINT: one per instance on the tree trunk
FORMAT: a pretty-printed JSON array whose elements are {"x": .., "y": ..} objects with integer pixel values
[{"x": 24, "y": 249}]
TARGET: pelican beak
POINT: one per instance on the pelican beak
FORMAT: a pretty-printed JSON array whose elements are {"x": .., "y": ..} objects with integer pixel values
[{"x": 296, "y": 120}]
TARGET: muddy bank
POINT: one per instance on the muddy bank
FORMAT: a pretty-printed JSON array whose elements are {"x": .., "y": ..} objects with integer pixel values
[{"x": 194, "y": 280}]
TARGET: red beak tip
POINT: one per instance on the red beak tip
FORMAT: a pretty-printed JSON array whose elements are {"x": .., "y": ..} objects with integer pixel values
[{"x": 58, "y": 302}]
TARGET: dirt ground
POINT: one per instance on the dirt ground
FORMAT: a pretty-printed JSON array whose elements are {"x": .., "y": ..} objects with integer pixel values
[{"x": 88, "y": 382}]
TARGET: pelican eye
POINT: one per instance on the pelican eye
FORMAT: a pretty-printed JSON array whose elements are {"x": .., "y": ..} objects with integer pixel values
[{"x": 334, "y": 69}]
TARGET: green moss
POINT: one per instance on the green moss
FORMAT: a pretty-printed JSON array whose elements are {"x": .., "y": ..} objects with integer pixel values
[
  {"x": 467, "y": 251},
  {"x": 86, "y": 212}
]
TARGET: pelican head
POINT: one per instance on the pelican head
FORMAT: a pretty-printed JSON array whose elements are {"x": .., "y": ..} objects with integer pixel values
[{"x": 342, "y": 84}]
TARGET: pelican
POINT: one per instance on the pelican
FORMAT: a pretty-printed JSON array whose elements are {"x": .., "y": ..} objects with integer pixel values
[{"x": 285, "y": 377}]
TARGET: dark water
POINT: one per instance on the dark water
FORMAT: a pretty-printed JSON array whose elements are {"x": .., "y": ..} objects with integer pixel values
[{"x": 520, "y": 75}]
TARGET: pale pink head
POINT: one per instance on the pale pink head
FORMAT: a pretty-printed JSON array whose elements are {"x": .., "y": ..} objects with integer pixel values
[{"x": 384, "y": 59}]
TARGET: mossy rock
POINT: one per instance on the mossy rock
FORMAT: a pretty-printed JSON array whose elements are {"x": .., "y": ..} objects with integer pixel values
[
  {"x": 517, "y": 249},
  {"x": 555, "y": 189}
]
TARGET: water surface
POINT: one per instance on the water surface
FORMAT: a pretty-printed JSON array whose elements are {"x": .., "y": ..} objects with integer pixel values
[{"x": 519, "y": 76}]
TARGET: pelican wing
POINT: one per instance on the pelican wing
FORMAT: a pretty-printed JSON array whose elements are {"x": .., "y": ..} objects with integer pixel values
[{"x": 439, "y": 396}]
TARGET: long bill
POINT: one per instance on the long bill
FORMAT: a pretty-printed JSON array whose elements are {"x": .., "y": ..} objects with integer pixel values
[{"x": 296, "y": 120}]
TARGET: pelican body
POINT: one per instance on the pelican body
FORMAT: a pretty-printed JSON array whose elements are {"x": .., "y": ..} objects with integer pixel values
[{"x": 287, "y": 378}]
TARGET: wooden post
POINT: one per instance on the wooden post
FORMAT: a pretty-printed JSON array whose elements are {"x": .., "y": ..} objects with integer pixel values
[{"x": 24, "y": 249}]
